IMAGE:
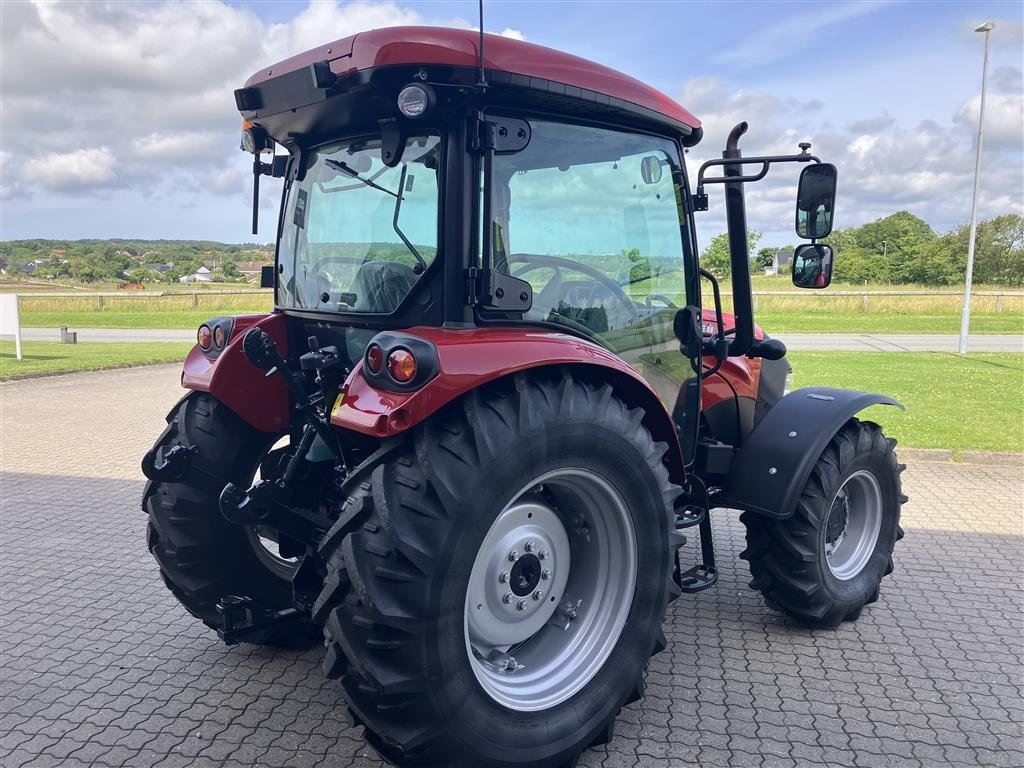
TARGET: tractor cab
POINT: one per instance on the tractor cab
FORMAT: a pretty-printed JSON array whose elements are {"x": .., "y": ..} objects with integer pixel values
[{"x": 466, "y": 446}]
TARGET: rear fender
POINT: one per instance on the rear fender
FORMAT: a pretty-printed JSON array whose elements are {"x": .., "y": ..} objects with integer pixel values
[
  {"x": 770, "y": 470},
  {"x": 258, "y": 399},
  {"x": 467, "y": 359}
]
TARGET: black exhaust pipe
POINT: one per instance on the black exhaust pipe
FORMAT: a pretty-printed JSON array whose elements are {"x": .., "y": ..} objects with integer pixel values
[{"x": 736, "y": 223}]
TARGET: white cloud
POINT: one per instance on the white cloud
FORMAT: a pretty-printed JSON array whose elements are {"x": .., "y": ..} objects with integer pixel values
[
  {"x": 1004, "y": 117},
  {"x": 883, "y": 166},
  {"x": 78, "y": 170},
  {"x": 793, "y": 33},
  {"x": 174, "y": 147},
  {"x": 149, "y": 82}
]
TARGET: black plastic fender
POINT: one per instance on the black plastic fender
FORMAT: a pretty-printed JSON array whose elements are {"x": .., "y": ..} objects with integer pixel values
[{"x": 769, "y": 471}]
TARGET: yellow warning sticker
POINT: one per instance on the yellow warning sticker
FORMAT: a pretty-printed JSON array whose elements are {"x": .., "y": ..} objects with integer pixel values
[{"x": 338, "y": 403}]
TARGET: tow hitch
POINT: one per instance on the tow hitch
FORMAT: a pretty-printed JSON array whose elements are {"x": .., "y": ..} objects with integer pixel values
[{"x": 241, "y": 618}]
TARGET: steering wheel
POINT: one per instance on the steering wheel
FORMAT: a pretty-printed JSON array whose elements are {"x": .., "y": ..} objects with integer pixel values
[{"x": 557, "y": 263}]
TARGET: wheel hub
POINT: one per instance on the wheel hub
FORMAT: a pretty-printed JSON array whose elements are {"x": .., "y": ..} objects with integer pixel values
[
  {"x": 526, "y": 565},
  {"x": 525, "y": 576},
  {"x": 550, "y": 590},
  {"x": 853, "y": 525}
]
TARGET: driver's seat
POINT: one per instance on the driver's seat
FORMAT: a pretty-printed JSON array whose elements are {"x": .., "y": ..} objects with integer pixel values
[{"x": 380, "y": 286}]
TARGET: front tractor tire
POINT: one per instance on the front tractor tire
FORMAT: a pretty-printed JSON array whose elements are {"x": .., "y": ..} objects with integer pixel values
[
  {"x": 203, "y": 557},
  {"x": 496, "y": 586},
  {"x": 826, "y": 561}
]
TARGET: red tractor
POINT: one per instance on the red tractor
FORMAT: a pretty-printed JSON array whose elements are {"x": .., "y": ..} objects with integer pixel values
[{"x": 466, "y": 444}]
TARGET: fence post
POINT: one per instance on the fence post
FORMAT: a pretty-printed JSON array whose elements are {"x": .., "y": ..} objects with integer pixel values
[
  {"x": 195, "y": 300},
  {"x": 99, "y": 301},
  {"x": 999, "y": 302},
  {"x": 864, "y": 302}
]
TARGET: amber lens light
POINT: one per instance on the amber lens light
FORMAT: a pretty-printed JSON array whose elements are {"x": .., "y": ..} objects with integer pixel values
[
  {"x": 402, "y": 365},
  {"x": 220, "y": 338},
  {"x": 375, "y": 359},
  {"x": 204, "y": 336}
]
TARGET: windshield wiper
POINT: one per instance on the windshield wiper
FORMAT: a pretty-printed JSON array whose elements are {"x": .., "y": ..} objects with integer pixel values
[{"x": 338, "y": 165}]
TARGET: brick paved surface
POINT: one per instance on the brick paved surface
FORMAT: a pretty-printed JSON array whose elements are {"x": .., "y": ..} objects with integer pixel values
[{"x": 100, "y": 666}]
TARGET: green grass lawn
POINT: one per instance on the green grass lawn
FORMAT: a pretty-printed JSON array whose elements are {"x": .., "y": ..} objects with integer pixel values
[
  {"x": 960, "y": 403},
  {"x": 823, "y": 320},
  {"x": 44, "y": 357}
]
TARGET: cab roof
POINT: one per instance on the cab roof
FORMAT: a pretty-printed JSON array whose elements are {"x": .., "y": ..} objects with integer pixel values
[{"x": 393, "y": 46}]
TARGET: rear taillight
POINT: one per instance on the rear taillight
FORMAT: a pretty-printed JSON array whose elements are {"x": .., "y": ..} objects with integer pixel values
[
  {"x": 375, "y": 359},
  {"x": 204, "y": 337},
  {"x": 402, "y": 366},
  {"x": 220, "y": 337}
]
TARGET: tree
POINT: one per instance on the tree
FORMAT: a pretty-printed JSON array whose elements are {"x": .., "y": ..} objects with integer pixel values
[
  {"x": 715, "y": 258},
  {"x": 898, "y": 239},
  {"x": 640, "y": 266},
  {"x": 228, "y": 271}
]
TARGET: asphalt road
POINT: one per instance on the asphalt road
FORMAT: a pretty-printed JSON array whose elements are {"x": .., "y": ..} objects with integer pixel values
[
  {"x": 894, "y": 342},
  {"x": 99, "y": 666}
]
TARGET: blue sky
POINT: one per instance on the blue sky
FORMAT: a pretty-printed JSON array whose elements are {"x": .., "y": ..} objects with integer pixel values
[{"x": 117, "y": 119}]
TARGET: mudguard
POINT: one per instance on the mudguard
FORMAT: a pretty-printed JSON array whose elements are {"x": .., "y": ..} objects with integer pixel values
[
  {"x": 260, "y": 400},
  {"x": 469, "y": 358},
  {"x": 768, "y": 473}
]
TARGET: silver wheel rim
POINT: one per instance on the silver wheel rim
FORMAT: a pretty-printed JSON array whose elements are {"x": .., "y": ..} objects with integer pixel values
[
  {"x": 263, "y": 541},
  {"x": 550, "y": 590},
  {"x": 852, "y": 525}
]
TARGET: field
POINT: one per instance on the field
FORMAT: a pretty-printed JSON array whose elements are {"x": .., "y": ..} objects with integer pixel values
[
  {"x": 960, "y": 403},
  {"x": 834, "y": 310},
  {"x": 46, "y": 357}
]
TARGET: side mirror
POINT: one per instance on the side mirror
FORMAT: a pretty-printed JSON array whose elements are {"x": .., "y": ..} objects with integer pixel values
[
  {"x": 267, "y": 276},
  {"x": 687, "y": 328},
  {"x": 815, "y": 201},
  {"x": 812, "y": 265},
  {"x": 650, "y": 169}
]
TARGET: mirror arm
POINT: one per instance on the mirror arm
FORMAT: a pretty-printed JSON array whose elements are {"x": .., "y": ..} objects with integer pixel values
[
  {"x": 717, "y": 346},
  {"x": 766, "y": 162}
]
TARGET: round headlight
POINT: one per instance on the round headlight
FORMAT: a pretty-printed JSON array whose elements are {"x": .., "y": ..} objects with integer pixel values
[
  {"x": 414, "y": 100},
  {"x": 220, "y": 337},
  {"x": 249, "y": 143}
]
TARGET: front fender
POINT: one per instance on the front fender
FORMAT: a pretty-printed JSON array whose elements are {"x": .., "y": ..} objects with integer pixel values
[
  {"x": 768, "y": 473},
  {"x": 469, "y": 358}
]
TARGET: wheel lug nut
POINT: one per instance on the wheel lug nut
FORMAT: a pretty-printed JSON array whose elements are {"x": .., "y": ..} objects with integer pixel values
[
  {"x": 546, "y": 574},
  {"x": 530, "y": 546},
  {"x": 503, "y": 577},
  {"x": 513, "y": 555},
  {"x": 538, "y": 595},
  {"x": 521, "y": 605},
  {"x": 544, "y": 554},
  {"x": 507, "y": 598}
]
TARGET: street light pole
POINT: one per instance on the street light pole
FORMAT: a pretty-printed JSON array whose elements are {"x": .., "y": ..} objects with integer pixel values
[{"x": 965, "y": 317}]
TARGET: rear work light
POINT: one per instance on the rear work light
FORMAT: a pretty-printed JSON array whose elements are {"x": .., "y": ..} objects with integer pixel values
[
  {"x": 375, "y": 359},
  {"x": 414, "y": 100},
  {"x": 204, "y": 337},
  {"x": 402, "y": 365}
]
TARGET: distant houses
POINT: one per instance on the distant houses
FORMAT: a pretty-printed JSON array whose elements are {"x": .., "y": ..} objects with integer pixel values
[
  {"x": 201, "y": 275},
  {"x": 782, "y": 257}
]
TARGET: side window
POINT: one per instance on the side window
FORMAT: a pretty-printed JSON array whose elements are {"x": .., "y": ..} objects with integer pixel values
[{"x": 592, "y": 219}]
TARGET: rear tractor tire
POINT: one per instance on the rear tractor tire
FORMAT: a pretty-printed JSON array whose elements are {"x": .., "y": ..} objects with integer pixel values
[
  {"x": 202, "y": 556},
  {"x": 495, "y": 588},
  {"x": 826, "y": 561}
]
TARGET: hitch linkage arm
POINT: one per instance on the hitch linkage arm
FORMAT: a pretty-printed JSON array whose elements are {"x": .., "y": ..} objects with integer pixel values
[{"x": 268, "y": 501}]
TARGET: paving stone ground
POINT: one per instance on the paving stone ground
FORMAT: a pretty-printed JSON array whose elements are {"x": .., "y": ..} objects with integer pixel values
[{"x": 100, "y": 666}]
